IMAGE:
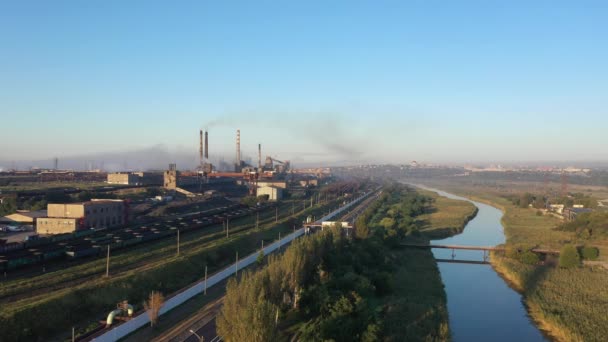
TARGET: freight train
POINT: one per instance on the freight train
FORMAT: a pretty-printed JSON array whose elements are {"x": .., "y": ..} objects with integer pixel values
[{"x": 87, "y": 243}]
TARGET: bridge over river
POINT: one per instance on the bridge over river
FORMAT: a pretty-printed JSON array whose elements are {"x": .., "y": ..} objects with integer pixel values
[{"x": 485, "y": 249}]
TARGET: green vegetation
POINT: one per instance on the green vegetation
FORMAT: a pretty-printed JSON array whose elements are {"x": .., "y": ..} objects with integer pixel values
[
  {"x": 8, "y": 206},
  {"x": 568, "y": 257},
  {"x": 327, "y": 287},
  {"x": 444, "y": 217},
  {"x": 589, "y": 253},
  {"x": 588, "y": 226}
]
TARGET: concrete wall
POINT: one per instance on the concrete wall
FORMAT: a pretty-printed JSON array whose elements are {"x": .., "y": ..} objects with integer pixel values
[
  {"x": 123, "y": 178},
  {"x": 72, "y": 210},
  {"x": 274, "y": 194},
  {"x": 104, "y": 214},
  {"x": 52, "y": 225},
  {"x": 278, "y": 184},
  {"x": 170, "y": 179}
]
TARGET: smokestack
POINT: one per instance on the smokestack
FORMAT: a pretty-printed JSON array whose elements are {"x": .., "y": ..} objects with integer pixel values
[
  {"x": 238, "y": 150},
  {"x": 200, "y": 147},
  {"x": 259, "y": 157},
  {"x": 206, "y": 146}
]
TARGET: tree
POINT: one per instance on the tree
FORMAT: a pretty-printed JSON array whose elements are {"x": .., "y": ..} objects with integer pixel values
[
  {"x": 525, "y": 200},
  {"x": 590, "y": 253},
  {"x": 528, "y": 257},
  {"x": 152, "y": 305},
  {"x": 568, "y": 257},
  {"x": 361, "y": 228},
  {"x": 260, "y": 258}
]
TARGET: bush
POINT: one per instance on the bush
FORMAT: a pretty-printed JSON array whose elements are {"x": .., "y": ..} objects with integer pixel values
[
  {"x": 590, "y": 253},
  {"x": 568, "y": 257},
  {"x": 529, "y": 258}
]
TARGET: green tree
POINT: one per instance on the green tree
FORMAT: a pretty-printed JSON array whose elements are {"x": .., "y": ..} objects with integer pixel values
[
  {"x": 568, "y": 257},
  {"x": 260, "y": 258},
  {"x": 528, "y": 257},
  {"x": 590, "y": 253},
  {"x": 8, "y": 207},
  {"x": 525, "y": 200},
  {"x": 361, "y": 228}
]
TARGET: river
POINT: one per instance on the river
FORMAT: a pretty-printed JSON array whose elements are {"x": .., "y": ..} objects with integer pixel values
[{"x": 481, "y": 306}]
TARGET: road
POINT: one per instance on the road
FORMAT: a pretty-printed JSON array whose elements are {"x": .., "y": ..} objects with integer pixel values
[{"x": 208, "y": 332}]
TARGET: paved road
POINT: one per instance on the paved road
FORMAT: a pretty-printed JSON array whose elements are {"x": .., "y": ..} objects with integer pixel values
[{"x": 208, "y": 332}]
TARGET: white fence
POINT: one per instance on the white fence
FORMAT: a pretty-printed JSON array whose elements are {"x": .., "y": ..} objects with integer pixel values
[{"x": 142, "y": 319}]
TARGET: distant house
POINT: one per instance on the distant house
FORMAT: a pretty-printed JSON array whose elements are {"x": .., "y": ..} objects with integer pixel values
[
  {"x": 558, "y": 208},
  {"x": 570, "y": 214}
]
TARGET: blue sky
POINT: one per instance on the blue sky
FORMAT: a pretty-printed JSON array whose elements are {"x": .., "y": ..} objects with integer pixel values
[{"x": 313, "y": 81}]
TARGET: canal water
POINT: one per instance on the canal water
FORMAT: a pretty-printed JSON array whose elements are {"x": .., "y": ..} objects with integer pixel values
[{"x": 481, "y": 306}]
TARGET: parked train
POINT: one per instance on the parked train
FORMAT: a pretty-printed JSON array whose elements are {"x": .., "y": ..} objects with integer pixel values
[{"x": 87, "y": 243}]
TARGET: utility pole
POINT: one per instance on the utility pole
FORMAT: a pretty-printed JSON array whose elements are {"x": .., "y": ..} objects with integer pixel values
[
  {"x": 257, "y": 220},
  {"x": 276, "y": 214},
  {"x": 279, "y": 240},
  {"x": 311, "y": 199},
  {"x": 178, "y": 242},
  {"x": 262, "y": 244},
  {"x": 227, "y": 227},
  {"x": 205, "y": 279},
  {"x": 73, "y": 334},
  {"x": 108, "y": 263}
]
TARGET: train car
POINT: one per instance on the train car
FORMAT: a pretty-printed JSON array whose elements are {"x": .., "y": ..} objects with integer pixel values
[
  {"x": 23, "y": 259},
  {"x": 81, "y": 251},
  {"x": 52, "y": 253}
]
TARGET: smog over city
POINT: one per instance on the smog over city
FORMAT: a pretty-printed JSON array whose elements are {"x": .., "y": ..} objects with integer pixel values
[{"x": 256, "y": 171}]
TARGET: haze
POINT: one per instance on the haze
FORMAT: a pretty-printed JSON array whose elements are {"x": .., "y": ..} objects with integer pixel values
[{"x": 313, "y": 82}]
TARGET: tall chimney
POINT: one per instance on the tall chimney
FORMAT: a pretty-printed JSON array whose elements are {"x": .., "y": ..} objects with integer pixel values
[
  {"x": 259, "y": 157},
  {"x": 238, "y": 150},
  {"x": 206, "y": 146},
  {"x": 200, "y": 147}
]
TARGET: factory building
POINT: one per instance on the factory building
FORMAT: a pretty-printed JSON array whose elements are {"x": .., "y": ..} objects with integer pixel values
[
  {"x": 309, "y": 183},
  {"x": 123, "y": 178},
  {"x": 274, "y": 183},
  {"x": 23, "y": 217},
  {"x": 96, "y": 213},
  {"x": 274, "y": 193},
  {"x": 135, "y": 178}
]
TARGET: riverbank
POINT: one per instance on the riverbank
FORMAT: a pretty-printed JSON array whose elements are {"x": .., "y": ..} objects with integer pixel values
[
  {"x": 444, "y": 217},
  {"x": 569, "y": 305}
]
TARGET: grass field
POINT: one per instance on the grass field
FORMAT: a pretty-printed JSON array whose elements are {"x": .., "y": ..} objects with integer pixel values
[{"x": 570, "y": 304}]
